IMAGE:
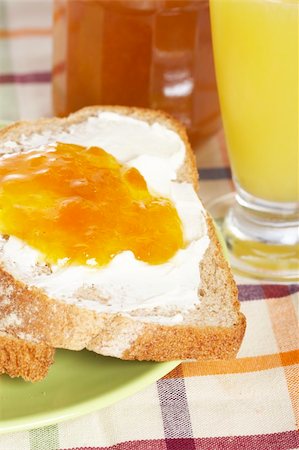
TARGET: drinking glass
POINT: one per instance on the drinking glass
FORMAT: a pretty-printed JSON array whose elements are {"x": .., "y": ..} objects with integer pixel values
[{"x": 255, "y": 46}]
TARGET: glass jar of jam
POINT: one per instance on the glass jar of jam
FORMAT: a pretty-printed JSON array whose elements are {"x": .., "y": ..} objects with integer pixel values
[{"x": 146, "y": 53}]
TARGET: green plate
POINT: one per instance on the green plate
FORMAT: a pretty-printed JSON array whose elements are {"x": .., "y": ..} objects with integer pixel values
[{"x": 77, "y": 383}]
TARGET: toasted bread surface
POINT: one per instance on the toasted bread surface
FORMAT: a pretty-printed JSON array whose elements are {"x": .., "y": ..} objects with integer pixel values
[{"x": 214, "y": 329}]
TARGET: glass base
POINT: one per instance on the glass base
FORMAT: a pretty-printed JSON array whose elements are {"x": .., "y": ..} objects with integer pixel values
[{"x": 261, "y": 244}]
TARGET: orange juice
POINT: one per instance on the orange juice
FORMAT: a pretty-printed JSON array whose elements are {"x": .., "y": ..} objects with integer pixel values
[{"x": 256, "y": 56}]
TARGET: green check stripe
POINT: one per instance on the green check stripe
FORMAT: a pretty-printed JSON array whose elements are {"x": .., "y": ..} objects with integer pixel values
[
  {"x": 46, "y": 438},
  {"x": 9, "y": 109}
]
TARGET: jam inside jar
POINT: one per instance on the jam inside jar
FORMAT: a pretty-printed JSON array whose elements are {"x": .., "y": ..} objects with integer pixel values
[{"x": 146, "y": 53}]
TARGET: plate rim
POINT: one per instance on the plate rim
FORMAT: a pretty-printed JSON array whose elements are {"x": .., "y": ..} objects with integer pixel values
[{"x": 97, "y": 403}]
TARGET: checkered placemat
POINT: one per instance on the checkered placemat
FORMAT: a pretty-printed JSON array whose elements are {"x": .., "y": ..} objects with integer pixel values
[{"x": 249, "y": 403}]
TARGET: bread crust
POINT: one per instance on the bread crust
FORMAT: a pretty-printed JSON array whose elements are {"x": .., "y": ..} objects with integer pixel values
[
  {"x": 58, "y": 324},
  {"x": 20, "y": 358}
]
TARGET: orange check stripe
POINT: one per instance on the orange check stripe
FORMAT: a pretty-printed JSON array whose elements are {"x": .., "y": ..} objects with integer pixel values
[
  {"x": 175, "y": 373},
  {"x": 25, "y": 32},
  {"x": 240, "y": 365},
  {"x": 285, "y": 326},
  {"x": 59, "y": 12}
]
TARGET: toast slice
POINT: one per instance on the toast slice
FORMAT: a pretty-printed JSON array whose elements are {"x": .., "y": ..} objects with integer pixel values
[{"x": 212, "y": 328}]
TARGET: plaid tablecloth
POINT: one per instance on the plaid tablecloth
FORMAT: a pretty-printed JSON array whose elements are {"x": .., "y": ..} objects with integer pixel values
[{"x": 250, "y": 403}]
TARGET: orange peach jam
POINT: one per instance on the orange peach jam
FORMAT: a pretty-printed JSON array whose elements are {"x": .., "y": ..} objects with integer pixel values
[{"x": 80, "y": 203}]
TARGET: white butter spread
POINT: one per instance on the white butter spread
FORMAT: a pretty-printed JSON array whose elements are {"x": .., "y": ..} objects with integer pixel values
[{"x": 126, "y": 284}]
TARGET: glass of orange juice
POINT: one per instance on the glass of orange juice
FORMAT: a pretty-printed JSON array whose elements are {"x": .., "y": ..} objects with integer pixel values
[{"x": 256, "y": 55}]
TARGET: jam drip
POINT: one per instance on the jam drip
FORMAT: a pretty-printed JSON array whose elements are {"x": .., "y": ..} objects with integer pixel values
[{"x": 80, "y": 203}]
